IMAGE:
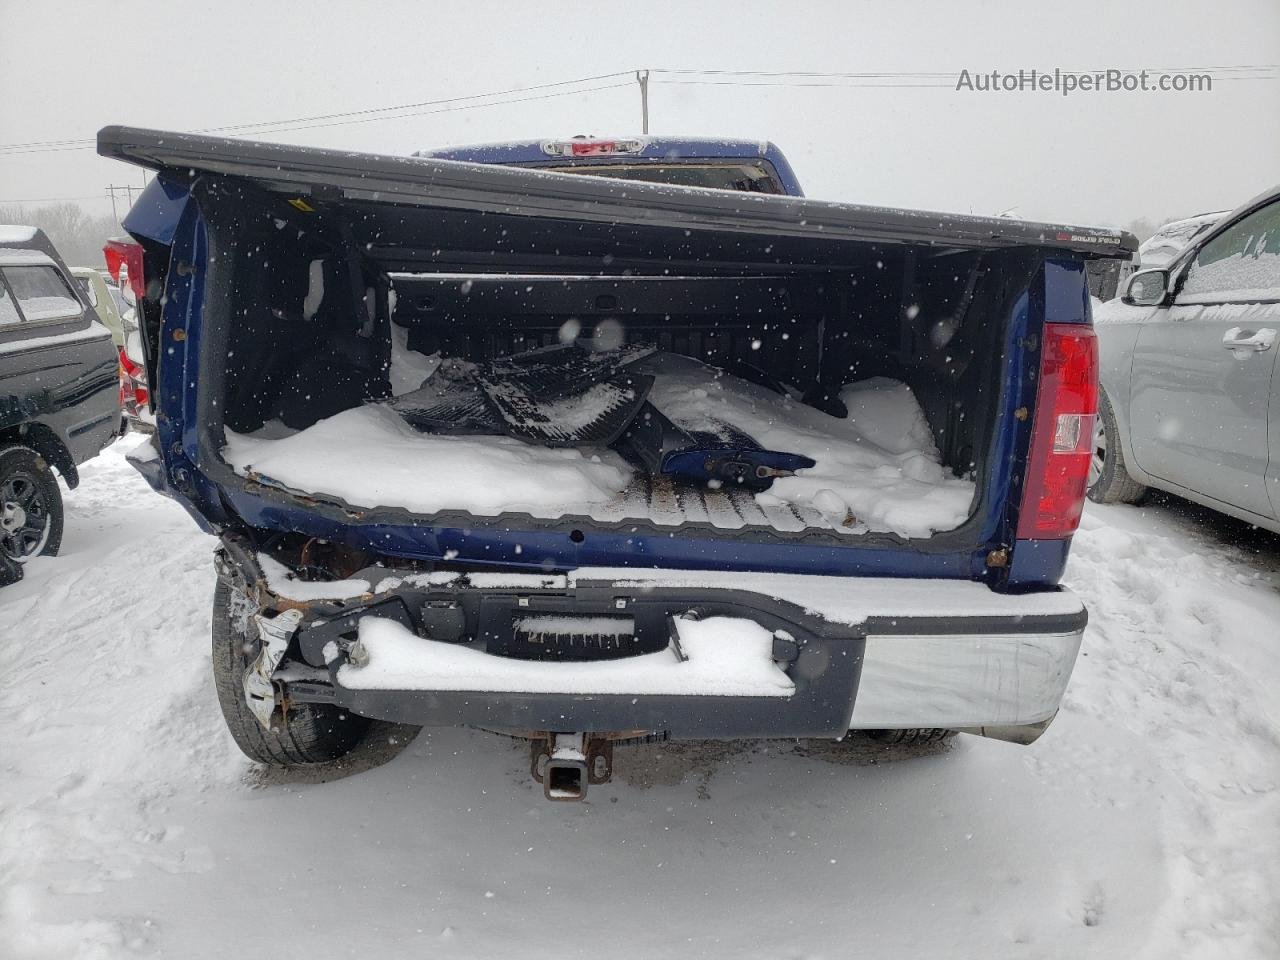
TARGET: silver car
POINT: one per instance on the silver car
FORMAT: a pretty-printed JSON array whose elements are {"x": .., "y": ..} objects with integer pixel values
[
  {"x": 1190, "y": 393},
  {"x": 1159, "y": 249}
]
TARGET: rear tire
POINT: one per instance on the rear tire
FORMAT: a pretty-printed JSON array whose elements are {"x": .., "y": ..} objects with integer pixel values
[
  {"x": 310, "y": 732},
  {"x": 911, "y": 737},
  {"x": 30, "y": 505},
  {"x": 1111, "y": 482}
]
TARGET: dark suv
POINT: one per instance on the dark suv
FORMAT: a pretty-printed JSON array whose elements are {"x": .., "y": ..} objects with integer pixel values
[{"x": 59, "y": 393}]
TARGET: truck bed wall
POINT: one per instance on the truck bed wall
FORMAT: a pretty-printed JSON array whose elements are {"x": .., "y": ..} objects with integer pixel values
[
  {"x": 933, "y": 319},
  {"x": 943, "y": 321}
]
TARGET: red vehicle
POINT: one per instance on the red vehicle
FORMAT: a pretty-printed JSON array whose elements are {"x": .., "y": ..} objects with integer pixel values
[{"x": 134, "y": 395}]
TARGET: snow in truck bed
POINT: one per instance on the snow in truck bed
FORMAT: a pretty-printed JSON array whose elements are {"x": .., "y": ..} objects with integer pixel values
[{"x": 877, "y": 470}]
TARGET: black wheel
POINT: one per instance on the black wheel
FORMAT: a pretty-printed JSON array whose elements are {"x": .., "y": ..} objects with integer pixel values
[
  {"x": 30, "y": 505},
  {"x": 309, "y": 733},
  {"x": 911, "y": 737},
  {"x": 1109, "y": 480}
]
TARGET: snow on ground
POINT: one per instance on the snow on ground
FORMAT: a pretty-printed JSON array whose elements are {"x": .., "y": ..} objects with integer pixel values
[{"x": 1146, "y": 822}]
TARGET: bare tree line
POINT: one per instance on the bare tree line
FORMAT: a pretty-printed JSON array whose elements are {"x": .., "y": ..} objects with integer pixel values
[{"x": 77, "y": 234}]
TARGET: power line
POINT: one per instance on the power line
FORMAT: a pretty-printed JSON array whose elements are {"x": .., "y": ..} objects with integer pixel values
[
  {"x": 468, "y": 106},
  {"x": 810, "y": 79},
  {"x": 702, "y": 71},
  {"x": 905, "y": 79},
  {"x": 800, "y": 83},
  {"x": 127, "y": 190},
  {"x": 7, "y": 203},
  {"x": 689, "y": 77},
  {"x": 425, "y": 103},
  {"x": 72, "y": 145},
  {"x": 801, "y": 73},
  {"x": 949, "y": 85},
  {"x": 43, "y": 143},
  {"x": 358, "y": 116}
]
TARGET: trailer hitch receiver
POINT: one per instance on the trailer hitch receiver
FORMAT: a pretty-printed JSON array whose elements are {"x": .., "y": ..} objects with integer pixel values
[{"x": 565, "y": 763}]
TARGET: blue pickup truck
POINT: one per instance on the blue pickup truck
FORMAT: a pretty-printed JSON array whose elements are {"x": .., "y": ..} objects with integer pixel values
[
  {"x": 743, "y": 165},
  {"x": 662, "y": 450}
]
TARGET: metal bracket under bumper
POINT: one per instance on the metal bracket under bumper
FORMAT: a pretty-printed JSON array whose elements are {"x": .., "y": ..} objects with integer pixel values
[
  {"x": 822, "y": 660},
  {"x": 683, "y": 716}
]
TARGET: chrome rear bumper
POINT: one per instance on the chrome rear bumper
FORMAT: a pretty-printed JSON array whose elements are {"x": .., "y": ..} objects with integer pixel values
[
  {"x": 963, "y": 680},
  {"x": 858, "y": 653}
]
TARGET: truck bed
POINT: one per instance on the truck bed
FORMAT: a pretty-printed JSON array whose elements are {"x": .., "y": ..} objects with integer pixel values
[{"x": 479, "y": 262}]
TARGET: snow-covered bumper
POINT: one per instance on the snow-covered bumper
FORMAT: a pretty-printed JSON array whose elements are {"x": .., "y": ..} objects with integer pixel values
[{"x": 693, "y": 655}]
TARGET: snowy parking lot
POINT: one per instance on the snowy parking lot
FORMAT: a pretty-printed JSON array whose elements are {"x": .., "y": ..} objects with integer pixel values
[{"x": 1145, "y": 823}]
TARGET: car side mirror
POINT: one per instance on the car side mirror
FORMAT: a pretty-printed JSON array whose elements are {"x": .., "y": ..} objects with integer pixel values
[{"x": 1147, "y": 288}]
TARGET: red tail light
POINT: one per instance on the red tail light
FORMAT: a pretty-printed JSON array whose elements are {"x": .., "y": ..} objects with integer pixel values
[
  {"x": 1062, "y": 433},
  {"x": 125, "y": 253},
  {"x": 133, "y": 384},
  {"x": 584, "y": 147}
]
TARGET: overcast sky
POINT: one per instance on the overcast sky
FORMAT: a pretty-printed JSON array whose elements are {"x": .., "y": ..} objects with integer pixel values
[{"x": 68, "y": 68}]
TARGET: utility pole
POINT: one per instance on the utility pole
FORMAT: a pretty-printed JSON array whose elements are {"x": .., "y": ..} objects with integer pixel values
[
  {"x": 642, "y": 78},
  {"x": 128, "y": 192}
]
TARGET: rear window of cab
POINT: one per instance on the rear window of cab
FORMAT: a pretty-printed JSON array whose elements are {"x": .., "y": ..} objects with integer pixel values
[{"x": 754, "y": 176}]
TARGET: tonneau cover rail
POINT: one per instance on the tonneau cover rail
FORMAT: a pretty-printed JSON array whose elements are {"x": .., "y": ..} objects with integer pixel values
[{"x": 811, "y": 227}]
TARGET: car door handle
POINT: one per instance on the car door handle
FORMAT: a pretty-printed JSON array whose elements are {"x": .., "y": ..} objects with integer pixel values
[{"x": 1238, "y": 339}]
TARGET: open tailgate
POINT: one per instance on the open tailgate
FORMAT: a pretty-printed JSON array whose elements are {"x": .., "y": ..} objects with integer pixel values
[{"x": 619, "y": 219}]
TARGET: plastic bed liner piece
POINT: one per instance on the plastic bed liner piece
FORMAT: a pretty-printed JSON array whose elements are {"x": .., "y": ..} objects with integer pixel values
[
  {"x": 563, "y": 395},
  {"x": 566, "y": 395},
  {"x": 445, "y": 405},
  {"x": 598, "y": 414}
]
